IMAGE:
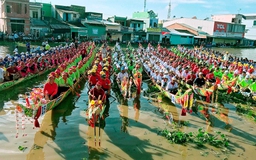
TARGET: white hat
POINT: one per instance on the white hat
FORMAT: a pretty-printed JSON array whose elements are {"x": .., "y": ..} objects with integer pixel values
[
  {"x": 126, "y": 68},
  {"x": 200, "y": 73},
  {"x": 165, "y": 76},
  {"x": 247, "y": 76},
  {"x": 173, "y": 78},
  {"x": 42, "y": 54}
]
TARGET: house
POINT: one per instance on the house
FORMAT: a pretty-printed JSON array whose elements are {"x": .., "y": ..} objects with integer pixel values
[
  {"x": 137, "y": 26},
  {"x": 126, "y": 31},
  {"x": 46, "y": 10},
  {"x": 14, "y": 17},
  {"x": 149, "y": 17},
  {"x": 38, "y": 28},
  {"x": 121, "y": 20},
  {"x": 113, "y": 30},
  {"x": 65, "y": 13},
  {"x": 228, "y": 18},
  {"x": 250, "y": 31},
  {"x": 199, "y": 35},
  {"x": 78, "y": 30},
  {"x": 95, "y": 26},
  {"x": 220, "y": 33},
  {"x": 177, "y": 38},
  {"x": 58, "y": 28},
  {"x": 68, "y": 21}
]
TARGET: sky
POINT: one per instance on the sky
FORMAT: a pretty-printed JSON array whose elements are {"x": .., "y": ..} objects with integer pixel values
[{"x": 179, "y": 8}]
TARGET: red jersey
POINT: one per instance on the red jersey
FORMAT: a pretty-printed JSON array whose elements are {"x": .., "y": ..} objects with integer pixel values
[
  {"x": 12, "y": 70},
  {"x": 107, "y": 74},
  {"x": 97, "y": 92},
  {"x": 106, "y": 83},
  {"x": 205, "y": 71},
  {"x": 191, "y": 76},
  {"x": 195, "y": 70},
  {"x": 94, "y": 79},
  {"x": 83, "y": 51},
  {"x": 210, "y": 76},
  {"x": 51, "y": 89}
]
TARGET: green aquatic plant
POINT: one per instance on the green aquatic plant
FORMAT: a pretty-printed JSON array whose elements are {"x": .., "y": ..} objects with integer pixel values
[{"x": 200, "y": 137}]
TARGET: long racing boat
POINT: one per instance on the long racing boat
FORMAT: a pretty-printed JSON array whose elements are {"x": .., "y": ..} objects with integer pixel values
[
  {"x": 42, "y": 107},
  {"x": 9, "y": 84}
]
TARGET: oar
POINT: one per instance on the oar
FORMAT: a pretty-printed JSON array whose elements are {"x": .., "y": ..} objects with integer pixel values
[{"x": 113, "y": 98}]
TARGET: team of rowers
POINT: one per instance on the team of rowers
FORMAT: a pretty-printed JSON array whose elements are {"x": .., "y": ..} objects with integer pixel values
[
  {"x": 22, "y": 65},
  {"x": 128, "y": 70},
  {"x": 67, "y": 73},
  {"x": 169, "y": 68}
]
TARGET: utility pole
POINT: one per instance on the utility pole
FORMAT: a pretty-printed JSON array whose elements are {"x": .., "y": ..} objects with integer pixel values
[
  {"x": 169, "y": 10},
  {"x": 145, "y": 3}
]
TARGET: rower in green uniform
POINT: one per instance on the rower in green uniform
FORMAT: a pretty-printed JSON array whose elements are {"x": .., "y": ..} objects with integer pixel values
[
  {"x": 64, "y": 83},
  {"x": 137, "y": 69},
  {"x": 252, "y": 88},
  {"x": 217, "y": 73},
  {"x": 72, "y": 75},
  {"x": 130, "y": 67},
  {"x": 76, "y": 73},
  {"x": 117, "y": 69},
  {"x": 245, "y": 83}
]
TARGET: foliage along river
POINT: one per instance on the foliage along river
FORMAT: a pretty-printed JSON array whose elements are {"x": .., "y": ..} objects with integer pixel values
[{"x": 130, "y": 133}]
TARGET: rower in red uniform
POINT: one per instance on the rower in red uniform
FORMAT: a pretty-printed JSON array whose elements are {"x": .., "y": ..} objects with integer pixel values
[
  {"x": 105, "y": 82},
  {"x": 205, "y": 71},
  {"x": 83, "y": 52},
  {"x": 210, "y": 76},
  {"x": 13, "y": 72},
  {"x": 105, "y": 69},
  {"x": 50, "y": 88},
  {"x": 93, "y": 79},
  {"x": 97, "y": 93}
]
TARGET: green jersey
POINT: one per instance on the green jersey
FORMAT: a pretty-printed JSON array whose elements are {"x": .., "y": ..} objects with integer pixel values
[
  {"x": 252, "y": 87},
  {"x": 66, "y": 83},
  {"x": 245, "y": 83}
]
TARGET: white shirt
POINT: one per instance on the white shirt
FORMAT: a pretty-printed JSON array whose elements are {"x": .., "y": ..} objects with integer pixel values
[
  {"x": 1, "y": 73},
  {"x": 172, "y": 86},
  {"x": 155, "y": 76},
  {"x": 159, "y": 78},
  {"x": 226, "y": 57},
  {"x": 164, "y": 84},
  {"x": 121, "y": 75},
  {"x": 184, "y": 74}
]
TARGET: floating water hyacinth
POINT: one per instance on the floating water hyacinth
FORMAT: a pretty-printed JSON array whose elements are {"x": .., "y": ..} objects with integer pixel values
[{"x": 200, "y": 137}]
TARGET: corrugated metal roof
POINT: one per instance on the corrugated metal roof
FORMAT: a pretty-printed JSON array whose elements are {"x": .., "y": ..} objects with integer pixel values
[
  {"x": 94, "y": 22},
  {"x": 174, "y": 32},
  {"x": 110, "y": 23},
  {"x": 59, "y": 26},
  {"x": 36, "y": 22}
]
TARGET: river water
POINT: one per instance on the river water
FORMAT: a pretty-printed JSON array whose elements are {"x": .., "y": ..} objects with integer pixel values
[
  {"x": 250, "y": 53},
  {"x": 130, "y": 132}
]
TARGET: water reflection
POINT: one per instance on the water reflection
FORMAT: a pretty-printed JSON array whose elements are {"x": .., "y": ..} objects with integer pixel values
[
  {"x": 123, "y": 111},
  {"x": 216, "y": 115},
  {"x": 136, "y": 106},
  {"x": 48, "y": 128},
  {"x": 12, "y": 93}
]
